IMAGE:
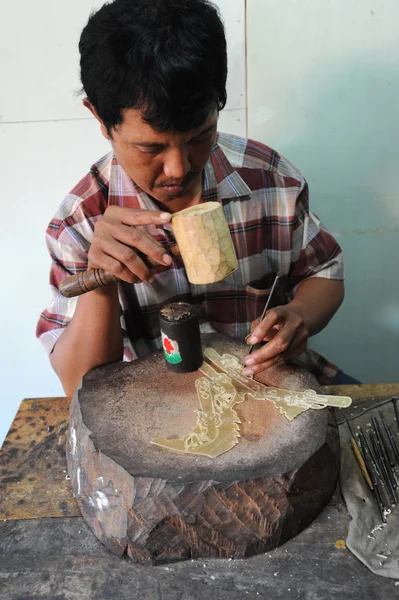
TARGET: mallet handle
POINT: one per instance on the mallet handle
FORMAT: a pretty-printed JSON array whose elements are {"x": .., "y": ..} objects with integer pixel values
[{"x": 92, "y": 279}]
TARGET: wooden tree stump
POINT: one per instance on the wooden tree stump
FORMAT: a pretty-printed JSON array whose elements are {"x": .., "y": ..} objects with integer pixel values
[{"x": 157, "y": 507}]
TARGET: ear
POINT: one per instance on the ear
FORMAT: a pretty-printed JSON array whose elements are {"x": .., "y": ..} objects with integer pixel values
[{"x": 93, "y": 111}]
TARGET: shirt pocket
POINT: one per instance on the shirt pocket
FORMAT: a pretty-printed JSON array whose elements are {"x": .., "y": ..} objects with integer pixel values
[{"x": 257, "y": 294}]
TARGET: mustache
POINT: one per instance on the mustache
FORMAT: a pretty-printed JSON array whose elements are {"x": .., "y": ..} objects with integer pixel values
[{"x": 177, "y": 182}]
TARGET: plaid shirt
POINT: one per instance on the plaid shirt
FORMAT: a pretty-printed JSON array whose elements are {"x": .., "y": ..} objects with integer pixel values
[{"x": 265, "y": 202}]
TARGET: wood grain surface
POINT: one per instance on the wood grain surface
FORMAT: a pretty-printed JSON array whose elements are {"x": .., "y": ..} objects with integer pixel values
[
  {"x": 59, "y": 558},
  {"x": 143, "y": 400},
  {"x": 156, "y": 506},
  {"x": 365, "y": 391},
  {"x": 204, "y": 239},
  {"x": 33, "y": 477},
  {"x": 33, "y": 469}
]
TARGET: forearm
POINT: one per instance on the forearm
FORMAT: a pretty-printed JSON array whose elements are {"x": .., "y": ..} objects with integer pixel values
[
  {"x": 92, "y": 338},
  {"x": 316, "y": 301}
]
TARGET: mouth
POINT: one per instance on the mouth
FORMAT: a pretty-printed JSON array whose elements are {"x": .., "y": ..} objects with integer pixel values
[
  {"x": 174, "y": 190},
  {"x": 177, "y": 188}
]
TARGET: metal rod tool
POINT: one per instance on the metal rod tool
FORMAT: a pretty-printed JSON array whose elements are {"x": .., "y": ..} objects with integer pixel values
[
  {"x": 359, "y": 457},
  {"x": 376, "y": 485},
  {"x": 374, "y": 470},
  {"x": 391, "y": 437},
  {"x": 382, "y": 466},
  {"x": 265, "y": 309},
  {"x": 395, "y": 405},
  {"x": 384, "y": 453}
]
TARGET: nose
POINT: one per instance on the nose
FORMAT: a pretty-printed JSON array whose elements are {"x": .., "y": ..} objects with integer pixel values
[{"x": 177, "y": 164}]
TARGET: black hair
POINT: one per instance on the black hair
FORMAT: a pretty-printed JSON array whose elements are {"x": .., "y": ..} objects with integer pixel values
[{"x": 166, "y": 58}]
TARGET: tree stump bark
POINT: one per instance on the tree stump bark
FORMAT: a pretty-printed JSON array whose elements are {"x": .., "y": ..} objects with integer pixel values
[{"x": 157, "y": 507}]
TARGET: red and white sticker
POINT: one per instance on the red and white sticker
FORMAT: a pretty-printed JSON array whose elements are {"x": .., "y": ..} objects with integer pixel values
[{"x": 171, "y": 350}]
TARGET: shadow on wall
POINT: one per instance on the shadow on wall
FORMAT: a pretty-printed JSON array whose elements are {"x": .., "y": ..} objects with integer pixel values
[{"x": 344, "y": 136}]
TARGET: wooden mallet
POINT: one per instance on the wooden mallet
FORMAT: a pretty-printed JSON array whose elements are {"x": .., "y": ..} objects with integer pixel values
[{"x": 203, "y": 241}]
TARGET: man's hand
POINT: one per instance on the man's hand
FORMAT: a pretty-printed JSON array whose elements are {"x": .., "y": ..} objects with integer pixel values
[
  {"x": 117, "y": 240},
  {"x": 287, "y": 328},
  {"x": 286, "y": 334}
]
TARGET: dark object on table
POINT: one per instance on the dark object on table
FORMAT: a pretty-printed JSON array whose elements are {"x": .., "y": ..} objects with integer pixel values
[
  {"x": 391, "y": 437},
  {"x": 181, "y": 338},
  {"x": 378, "y": 484},
  {"x": 395, "y": 405},
  {"x": 356, "y": 447},
  {"x": 380, "y": 455}
]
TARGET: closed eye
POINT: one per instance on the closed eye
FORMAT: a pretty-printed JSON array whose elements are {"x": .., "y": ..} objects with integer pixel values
[{"x": 151, "y": 149}]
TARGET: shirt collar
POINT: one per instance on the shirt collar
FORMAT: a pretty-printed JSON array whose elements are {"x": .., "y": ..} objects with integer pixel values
[{"x": 221, "y": 182}]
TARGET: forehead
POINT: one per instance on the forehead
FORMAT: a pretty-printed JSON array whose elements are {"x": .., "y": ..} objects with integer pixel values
[{"x": 134, "y": 128}]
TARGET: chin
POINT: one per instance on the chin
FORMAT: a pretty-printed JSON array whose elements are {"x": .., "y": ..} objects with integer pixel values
[{"x": 171, "y": 197}]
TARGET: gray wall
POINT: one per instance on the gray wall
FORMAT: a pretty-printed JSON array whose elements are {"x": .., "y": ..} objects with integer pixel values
[{"x": 323, "y": 84}]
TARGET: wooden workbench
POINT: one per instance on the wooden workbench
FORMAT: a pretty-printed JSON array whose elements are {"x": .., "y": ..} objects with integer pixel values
[{"x": 47, "y": 551}]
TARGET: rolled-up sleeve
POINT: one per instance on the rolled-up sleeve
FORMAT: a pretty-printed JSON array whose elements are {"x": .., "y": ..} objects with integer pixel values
[
  {"x": 315, "y": 252},
  {"x": 66, "y": 259}
]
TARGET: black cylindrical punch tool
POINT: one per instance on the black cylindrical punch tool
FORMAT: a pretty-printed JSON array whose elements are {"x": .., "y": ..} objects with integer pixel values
[{"x": 181, "y": 338}]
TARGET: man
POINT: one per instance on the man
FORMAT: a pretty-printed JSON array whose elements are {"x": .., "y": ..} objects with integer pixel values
[{"x": 154, "y": 75}]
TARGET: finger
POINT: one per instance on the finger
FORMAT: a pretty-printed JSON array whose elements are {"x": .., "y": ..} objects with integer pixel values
[
  {"x": 138, "y": 239},
  {"x": 137, "y": 216},
  {"x": 254, "y": 325},
  {"x": 277, "y": 360},
  {"x": 298, "y": 344},
  {"x": 258, "y": 368},
  {"x": 272, "y": 318},
  {"x": 279, "y": 344},
  {"x": 260, "y": 357},
  {"x": 296, "y": 348},
  {"x": 124, "y": 258},
  {"x": 272, "y": 333},
  {"x": 269, "y": 336},
  {"x": 111, "y": 265}
]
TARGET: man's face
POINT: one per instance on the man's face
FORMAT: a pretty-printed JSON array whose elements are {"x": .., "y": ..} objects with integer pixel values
[{"x": 167, "y": 166}]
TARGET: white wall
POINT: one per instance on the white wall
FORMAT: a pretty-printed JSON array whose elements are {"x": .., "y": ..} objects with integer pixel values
[
  {"x": 323, "y": 88},
  {"x": 47, "y": 143}
]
